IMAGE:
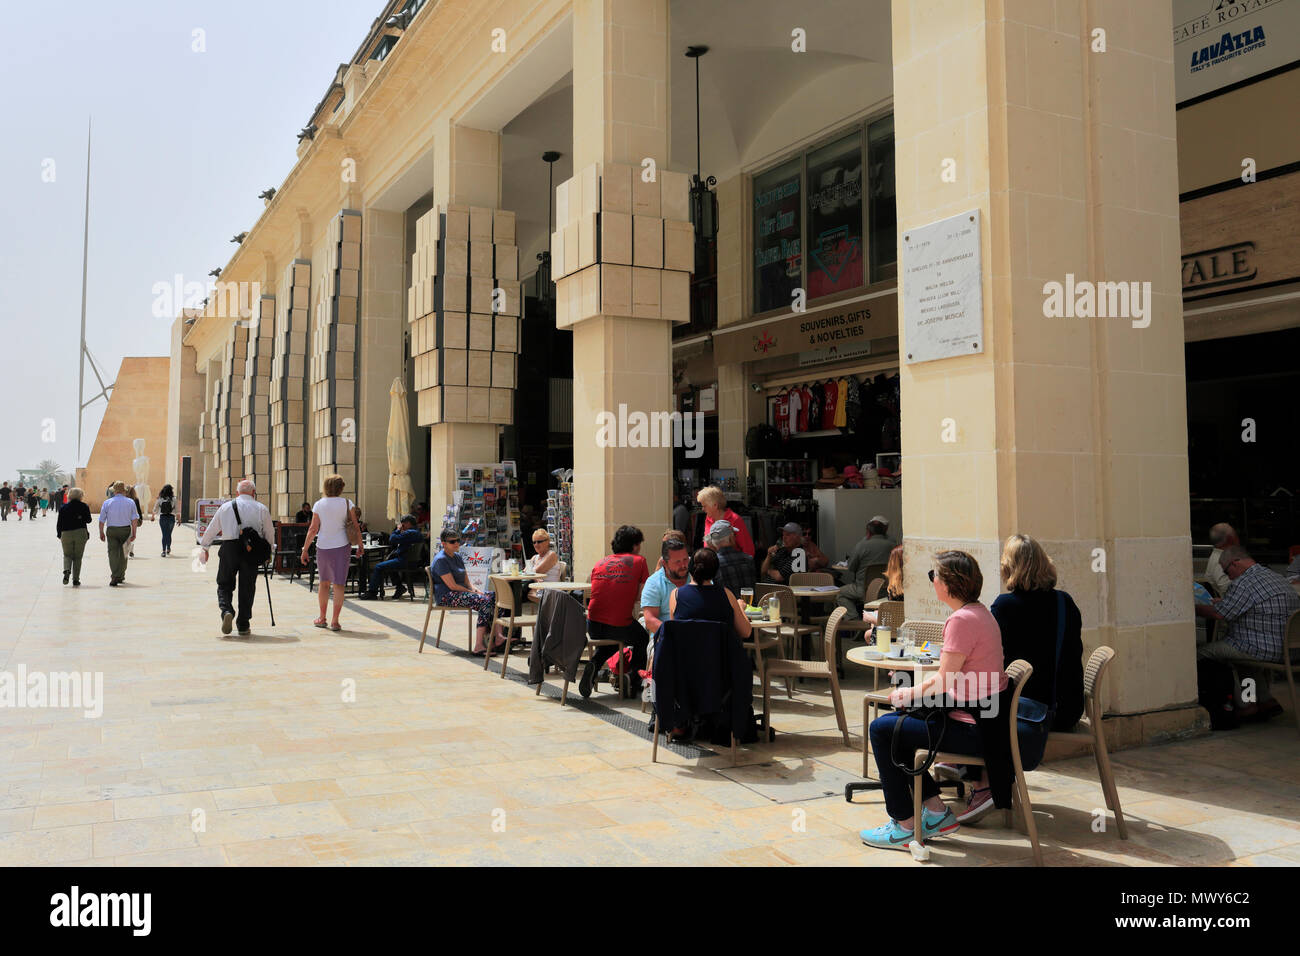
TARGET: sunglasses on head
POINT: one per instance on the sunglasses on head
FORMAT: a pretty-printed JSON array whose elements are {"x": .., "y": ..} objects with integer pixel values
[{"x": 931, "y": 574}]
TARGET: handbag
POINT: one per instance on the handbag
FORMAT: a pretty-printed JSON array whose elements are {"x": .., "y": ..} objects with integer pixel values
[
  {"x": 350, "y": 525},
  {"x": 257, "y": 548},
  {"x": 1036, "y": 714}
]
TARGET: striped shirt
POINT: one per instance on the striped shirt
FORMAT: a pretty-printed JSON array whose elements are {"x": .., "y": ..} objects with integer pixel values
[{"x": 1257, "y": 607}]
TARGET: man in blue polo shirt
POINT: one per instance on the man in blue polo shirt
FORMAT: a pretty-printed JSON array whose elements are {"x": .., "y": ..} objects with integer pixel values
[
  {"x": 118, "y": 520},
  {"x": 659, "y": 587},
  {"x": 403, "y": 539}
]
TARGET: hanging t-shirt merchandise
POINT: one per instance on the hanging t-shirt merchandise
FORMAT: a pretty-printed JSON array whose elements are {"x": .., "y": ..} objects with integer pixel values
[
  {"x": 815, "y": 398},
  {"x": 805, "y": 410},
  {"x": 842, "y": 389},
  {"x": 781, "y": 414},
  {"x": 794, "y": 399},
  {"x": 831, "y": 391}
]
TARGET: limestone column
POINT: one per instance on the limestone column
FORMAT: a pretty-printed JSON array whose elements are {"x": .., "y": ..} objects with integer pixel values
[
  {"x": 1072, "y": 430},
  {"x": 622, "y": 348},
  {"x": 467, "y": 173},
  {"x": 382, "y": 325},
  {"x": 184, "y": 410}
]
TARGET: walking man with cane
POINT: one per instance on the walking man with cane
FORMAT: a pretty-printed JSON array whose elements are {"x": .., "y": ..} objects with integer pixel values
[{"x": 239, "y": 524}]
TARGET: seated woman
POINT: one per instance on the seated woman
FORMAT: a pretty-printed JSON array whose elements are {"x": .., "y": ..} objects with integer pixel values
[
  {"x": 970, "y": 668},
  {"x": 706, "y": 601},
  {"x": 545, "y": 560},
  {"x": 893, "y": 583},
  {"x": 1027, "y": 616},
  {"x": 451, "y": 589}
]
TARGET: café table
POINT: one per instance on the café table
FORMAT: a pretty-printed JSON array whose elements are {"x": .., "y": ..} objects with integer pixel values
[
  {"x": 806, "y": 595},
  {"x": 579, "y": 587},
  {"x": 876, "y": 698},
  {"x": 517, "y": 582}
]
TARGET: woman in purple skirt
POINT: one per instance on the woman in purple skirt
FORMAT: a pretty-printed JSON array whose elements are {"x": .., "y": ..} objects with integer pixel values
[{"x": 330, "y": 518}]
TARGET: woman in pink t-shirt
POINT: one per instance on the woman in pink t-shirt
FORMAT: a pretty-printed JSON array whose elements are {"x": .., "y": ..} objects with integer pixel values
[{"x": 970, "y": 669}]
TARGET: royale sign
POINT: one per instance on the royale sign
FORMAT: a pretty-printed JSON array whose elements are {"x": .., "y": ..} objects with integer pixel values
[{"x": 1214, "y": 268}]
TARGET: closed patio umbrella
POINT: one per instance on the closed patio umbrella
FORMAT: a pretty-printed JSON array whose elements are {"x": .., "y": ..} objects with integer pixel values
[{"x": 401, "y": 494}]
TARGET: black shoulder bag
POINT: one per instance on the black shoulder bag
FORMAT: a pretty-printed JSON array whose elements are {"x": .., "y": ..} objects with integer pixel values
[{"x": 257, "y": 548}]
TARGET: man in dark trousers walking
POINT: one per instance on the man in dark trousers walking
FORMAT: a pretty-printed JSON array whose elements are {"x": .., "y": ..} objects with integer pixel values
[{"x": 237, "y": 568}]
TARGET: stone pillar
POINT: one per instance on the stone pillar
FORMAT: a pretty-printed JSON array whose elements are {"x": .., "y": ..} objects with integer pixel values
[
  {"x": 1072, "y": 430},
  {"x": 211, "y": 487},
  {"x": 467, "y": 173},
  {"x": 622, "y": 349},
  {"x": 184, "y": 410},
  {"x": 381, "y": 340}
]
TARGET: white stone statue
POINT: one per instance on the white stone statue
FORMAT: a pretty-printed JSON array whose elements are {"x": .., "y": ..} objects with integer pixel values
[{"x": 141, "y": 466}]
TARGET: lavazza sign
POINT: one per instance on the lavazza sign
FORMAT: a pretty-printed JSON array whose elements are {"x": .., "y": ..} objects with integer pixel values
[{"x": 1218, "y": 43}]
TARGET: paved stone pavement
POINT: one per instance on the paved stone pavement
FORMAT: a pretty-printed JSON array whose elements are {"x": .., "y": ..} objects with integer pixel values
[{"x": 216, "y": 751}]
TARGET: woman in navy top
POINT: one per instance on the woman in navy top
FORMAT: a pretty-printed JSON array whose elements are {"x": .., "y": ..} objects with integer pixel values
[
  {"x": 451, "y": 588},
  {"x": 706, "y": 601}
]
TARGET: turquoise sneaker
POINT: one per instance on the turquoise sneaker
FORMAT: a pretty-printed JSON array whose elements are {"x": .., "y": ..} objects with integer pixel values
[
  {"x": 937, "y": 824},
  {"x": 888, "y": 836}
]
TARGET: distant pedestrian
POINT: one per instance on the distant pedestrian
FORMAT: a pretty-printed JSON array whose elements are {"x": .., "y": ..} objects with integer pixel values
[
  {"x": 335, "y": 530},
  {"x": 61, "y": 498},
  {"x": 73, "y": 535},
  {"x": 20, "y": 503},
  {"x": 139, "y": 513},
  {"x": 237, "y": 568},
  {"x": 118, "y": 523},
  {"x": 164, "y": 512},
  {"x": 33, "y": 503},
  {"x": 6, "y": 501}
]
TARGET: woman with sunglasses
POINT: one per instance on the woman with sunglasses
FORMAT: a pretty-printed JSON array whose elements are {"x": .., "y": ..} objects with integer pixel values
[
  {"x": 545, "y": 561},
  {"x": 451, "y": 588},
  {"x": 970, "y": 669}
]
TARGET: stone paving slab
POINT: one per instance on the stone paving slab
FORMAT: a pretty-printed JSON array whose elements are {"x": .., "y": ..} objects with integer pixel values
[{"x": 306, "y": 747}]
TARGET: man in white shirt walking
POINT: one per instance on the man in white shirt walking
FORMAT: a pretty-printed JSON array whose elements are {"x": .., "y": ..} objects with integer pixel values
[
  {"x": 236, "y": 566},
  {"x": 118, "y": 521}
]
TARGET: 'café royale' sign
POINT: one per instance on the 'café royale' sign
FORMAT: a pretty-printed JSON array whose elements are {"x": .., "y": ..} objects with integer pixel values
[{"x": 943, "y": 305}]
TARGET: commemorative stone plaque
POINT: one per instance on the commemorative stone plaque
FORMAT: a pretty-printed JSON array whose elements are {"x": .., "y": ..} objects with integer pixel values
[{"x": 943, "y": 306}]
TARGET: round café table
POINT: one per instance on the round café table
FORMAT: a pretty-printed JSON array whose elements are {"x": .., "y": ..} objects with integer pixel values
[
  {"x": 872, "y": 701},
  {"x": 517, "y": 582},
  {"x": 579, "y": 587}
]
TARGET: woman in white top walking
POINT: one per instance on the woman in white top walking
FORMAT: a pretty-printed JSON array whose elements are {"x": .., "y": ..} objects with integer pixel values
[{"x": 331, "y": 519}]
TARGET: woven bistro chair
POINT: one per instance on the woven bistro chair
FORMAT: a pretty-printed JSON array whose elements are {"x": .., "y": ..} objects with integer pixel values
[
  {"x": 472, "y": 616},
  {"x": 1290, "y": 661},
  {"x": 875, "y": 589},
  {"x": 1090, "y": 729},
  {"x": 813, "y": 579},
  {"x": 791, "y": 627},
  {"x": 1017, "y": 673},
  {"x": 513, "y": 620},
  {"x": 818, "y": 669}
]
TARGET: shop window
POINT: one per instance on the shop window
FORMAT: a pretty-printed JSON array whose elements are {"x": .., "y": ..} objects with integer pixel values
[
  {"x": 816, "y": 201},
  {"x": 882, "y": 207},
  {"x": 778, "y": 266},
  {"x": 835, "y": 217}
]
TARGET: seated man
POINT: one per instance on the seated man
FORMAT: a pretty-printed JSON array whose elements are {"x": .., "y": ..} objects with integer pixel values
[
  {"x": 1256, "y": 608},
  {"x": 779, "y": 563},
  {"x": 1222, "y": 536},
  {"x": 616, "y": 583},
  {"x": 872, "y": 550},
  {"x": 406, "y": 536},
  {"x": 735, "y": 567},
  {"x": 659, "y": 588},
  {"x": 817, "y": 560}
]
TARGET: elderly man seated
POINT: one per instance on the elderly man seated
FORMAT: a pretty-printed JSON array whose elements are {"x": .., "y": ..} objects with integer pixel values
[
  {"x": 402, "y": 540},
  {"x": 1222, "y": 536},
  {"x": 780, "y": 560},
  {"x": 1256, "y": 608},
  {"x": 735, "y": 567}
]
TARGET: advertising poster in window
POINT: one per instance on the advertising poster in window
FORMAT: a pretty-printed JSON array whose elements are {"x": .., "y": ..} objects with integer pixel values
[
  {"x": 1221, "y": 42},
  {"x": 835, "y": 217},
  {"x": 777, "y": 252}
]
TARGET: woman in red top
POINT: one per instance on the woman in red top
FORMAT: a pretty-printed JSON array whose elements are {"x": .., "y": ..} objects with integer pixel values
[
  {"x": 616, "y": 583},
  {"x": 714, "y": 503}
]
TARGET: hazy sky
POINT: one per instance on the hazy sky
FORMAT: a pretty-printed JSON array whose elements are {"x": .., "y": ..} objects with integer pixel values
[{"x": 183, "y": 142}]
